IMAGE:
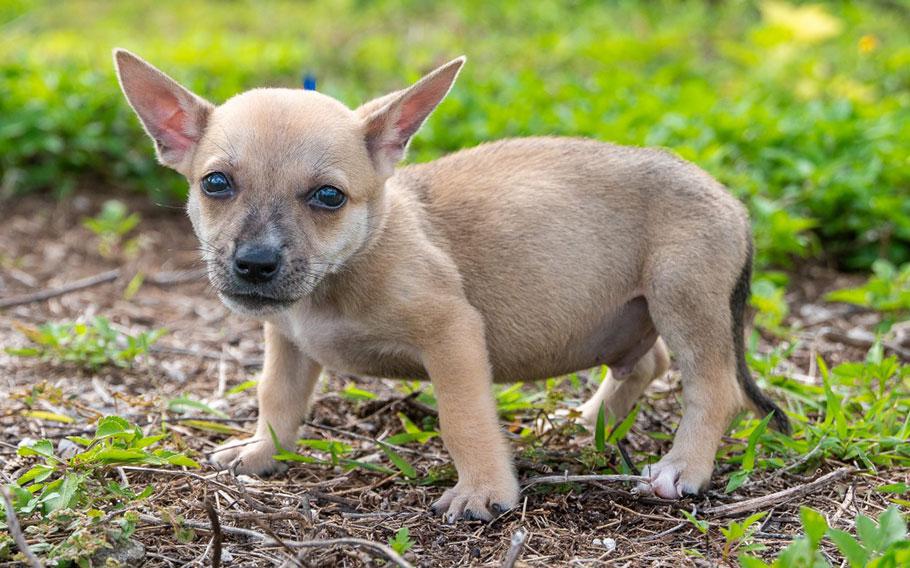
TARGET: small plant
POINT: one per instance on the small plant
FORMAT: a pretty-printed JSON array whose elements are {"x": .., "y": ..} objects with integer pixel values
[
  {"x": 337, "y": 456},
  {"x": 63, "y": 496},
  {"x": 738, "y": 535},
  {"x": 878, "y": 545},
  {"x": 401, "y": 542},
  {"x": 111, "y": 225},
  {"x": 90, "y": 346},
  {"x": 887, "y": 290},
  {"x": 748, "y": 459}
]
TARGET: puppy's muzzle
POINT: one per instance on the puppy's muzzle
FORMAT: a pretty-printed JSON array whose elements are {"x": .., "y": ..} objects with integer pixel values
[{"x": 256, "y": 263}]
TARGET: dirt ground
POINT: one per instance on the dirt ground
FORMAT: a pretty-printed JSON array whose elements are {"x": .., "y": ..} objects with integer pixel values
[{"x": 207, "y": 350}]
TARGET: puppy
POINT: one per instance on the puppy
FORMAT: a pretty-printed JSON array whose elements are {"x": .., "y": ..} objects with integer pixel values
[{"x": 512, "y": 261}]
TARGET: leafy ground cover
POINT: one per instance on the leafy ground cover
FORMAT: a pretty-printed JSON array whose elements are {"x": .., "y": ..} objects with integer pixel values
[{"x": 801, "y": 110}]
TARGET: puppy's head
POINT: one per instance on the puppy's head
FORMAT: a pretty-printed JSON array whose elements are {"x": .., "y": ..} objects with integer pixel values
[{"x": 286, "y": 185}]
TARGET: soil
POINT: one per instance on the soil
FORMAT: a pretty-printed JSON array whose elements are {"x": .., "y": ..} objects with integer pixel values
[{"x": 207, "y": 350}]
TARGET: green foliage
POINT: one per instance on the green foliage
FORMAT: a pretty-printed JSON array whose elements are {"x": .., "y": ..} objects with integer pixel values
[
  {"x": 337, "y": 453},
  {"x": 807, "y": 128},
  {"x": 859, "y": 415},
  {"x": 111, "y": 225},
  {"x": 771, "y": 306},
  {"x": 401, "y": 542},
  {"x": 887, "y": 290},
  {"x": 879, "y": 545},
  {"x": 748, "y": 459},
  {"x": 65, "y": 495},
  {"x": 90, "y": 346},
  {"x": 738, "y": 535}
]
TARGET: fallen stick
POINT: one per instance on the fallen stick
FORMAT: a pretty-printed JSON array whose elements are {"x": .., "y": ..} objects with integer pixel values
[
  {"x": 213, "y": 355},
  {"x": 516, "y": 548},
  {"x": 12, "y": 524},
  {"x": 764, "y": 501},
  {"x": 217, "y": 537},
  {"x": 863, "y": 340},
  {"x": 375, "y": 547},
  {"x": 49, "y": 293},
  {"x": 160, "y": 279},
  {"x": 583, "y": 479}
]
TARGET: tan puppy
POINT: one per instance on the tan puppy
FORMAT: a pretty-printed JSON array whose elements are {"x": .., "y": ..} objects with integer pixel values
[{"x": 516, "y": 260}]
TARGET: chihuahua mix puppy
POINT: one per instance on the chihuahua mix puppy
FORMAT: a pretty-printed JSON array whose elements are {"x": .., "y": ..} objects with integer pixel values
[{"x": 512, "y": 261}]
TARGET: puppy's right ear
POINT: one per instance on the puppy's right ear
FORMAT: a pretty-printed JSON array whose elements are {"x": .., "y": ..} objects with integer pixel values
[{"x": 174, "y": 117}]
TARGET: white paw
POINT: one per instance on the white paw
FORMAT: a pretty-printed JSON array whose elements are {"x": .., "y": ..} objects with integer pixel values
[
  {"x": 671, "y": 478},
  {"x": 480, "y": 502},
  {"x": 251, "y": 456}
]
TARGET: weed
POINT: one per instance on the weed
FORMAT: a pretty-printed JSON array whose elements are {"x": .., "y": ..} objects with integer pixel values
[
  {"x": 887, "y": 290},
  {"x": 111, "y": 225},
  {"x": 882, "y": 544},
  {"x": 89, "y": 346},
  {"x": 738, "y": 535},
  {"x": 65, "y": 495},
  {"x": 401, "y": 542}
]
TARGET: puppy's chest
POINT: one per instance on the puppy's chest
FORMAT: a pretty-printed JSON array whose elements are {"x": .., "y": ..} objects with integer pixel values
[{"x": 349, "y": 346}]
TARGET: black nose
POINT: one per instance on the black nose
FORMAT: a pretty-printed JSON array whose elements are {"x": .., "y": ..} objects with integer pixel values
[{"x": 257, "y": 263}]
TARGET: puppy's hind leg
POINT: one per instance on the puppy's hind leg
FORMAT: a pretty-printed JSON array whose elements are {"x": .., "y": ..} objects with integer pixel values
[
  {"x": 691, "y": 312},
  {"x": 619, "y": 391}
]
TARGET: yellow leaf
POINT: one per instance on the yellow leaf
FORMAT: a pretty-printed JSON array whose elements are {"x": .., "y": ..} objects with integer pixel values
[{"x": 45, "y": 415}]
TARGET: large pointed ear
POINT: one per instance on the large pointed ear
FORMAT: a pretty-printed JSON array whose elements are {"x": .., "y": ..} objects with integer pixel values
[
  {"x": 392, "y": 120},
  {"x": 174, "y": 117}
]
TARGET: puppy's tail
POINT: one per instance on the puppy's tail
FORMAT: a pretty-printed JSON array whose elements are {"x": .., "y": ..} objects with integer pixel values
[{"x": 761, "y": 403}]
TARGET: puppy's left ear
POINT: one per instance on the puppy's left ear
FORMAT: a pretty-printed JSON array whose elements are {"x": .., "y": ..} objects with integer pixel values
[{"x": 391, "y": 121}]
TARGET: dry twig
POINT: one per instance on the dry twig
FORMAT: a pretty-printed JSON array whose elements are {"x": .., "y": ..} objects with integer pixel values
[
  {"x": 12, "y": 524},
  {"x": 269, "y": 541},
  {"x": 764, "y": 501},
  {"x": 582, "y": 479},
  {"x": 216, "y": 530},
  {"x": 519, "y": 538},
  {"x": 48, "y": 293}
]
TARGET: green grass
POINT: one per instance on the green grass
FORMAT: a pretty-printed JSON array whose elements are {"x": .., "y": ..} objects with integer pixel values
[{"x": 801, "y": 112}]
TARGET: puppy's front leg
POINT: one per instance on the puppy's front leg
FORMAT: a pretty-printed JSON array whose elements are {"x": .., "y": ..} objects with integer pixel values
[
  {"x": 285, "y": 391},
  {"x": 458, "y": 366}
]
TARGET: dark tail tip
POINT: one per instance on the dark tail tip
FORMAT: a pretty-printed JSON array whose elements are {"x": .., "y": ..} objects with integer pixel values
[{"x": 762, "y": 403}]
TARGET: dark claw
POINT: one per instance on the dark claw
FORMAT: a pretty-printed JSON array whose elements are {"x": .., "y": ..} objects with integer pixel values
[
  {"x": 498, "y": 509},
  {"x": 470, "y": 515}
]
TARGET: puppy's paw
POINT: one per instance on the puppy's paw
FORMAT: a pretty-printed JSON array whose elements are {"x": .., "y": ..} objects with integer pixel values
[
  {"x": 251, "y": 456},
  {"x": 671, "y": 478},
  {"x": 478, "y": 502}
]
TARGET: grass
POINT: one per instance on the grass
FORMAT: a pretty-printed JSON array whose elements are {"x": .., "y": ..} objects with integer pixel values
[{"x": 801, "y": 111}]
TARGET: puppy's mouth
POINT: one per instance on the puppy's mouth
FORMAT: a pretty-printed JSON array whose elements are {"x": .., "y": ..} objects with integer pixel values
[{"x": 253, "y": 302}]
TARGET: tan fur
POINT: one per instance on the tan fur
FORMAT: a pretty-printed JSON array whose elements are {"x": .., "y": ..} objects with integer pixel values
[{"x": 515, "y": 260}]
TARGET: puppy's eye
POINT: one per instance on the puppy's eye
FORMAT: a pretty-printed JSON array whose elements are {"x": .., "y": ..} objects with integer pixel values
[
  {"x": 217, "y": 184},
  {"x": 327, "y": 197}
]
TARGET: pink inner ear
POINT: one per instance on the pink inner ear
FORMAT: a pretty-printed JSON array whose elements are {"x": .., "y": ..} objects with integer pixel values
[
  {"x": 170, "y": 122},
  {"x": 173, "y": 131},
  {"x": 413, "y": 112}
]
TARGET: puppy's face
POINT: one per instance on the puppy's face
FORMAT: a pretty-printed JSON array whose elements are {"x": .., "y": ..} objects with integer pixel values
[
  {"x": 282, "y": 192},
  {"x": 286, "y": 186}
]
